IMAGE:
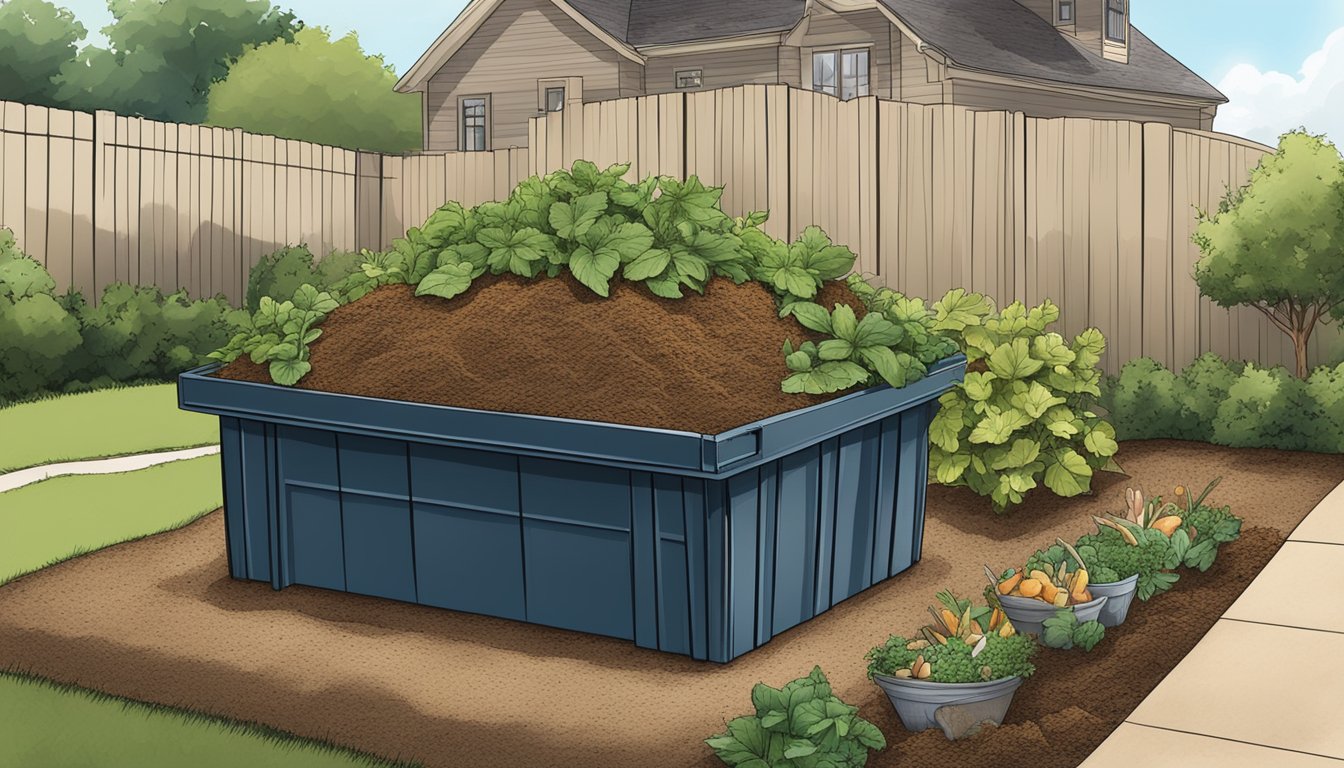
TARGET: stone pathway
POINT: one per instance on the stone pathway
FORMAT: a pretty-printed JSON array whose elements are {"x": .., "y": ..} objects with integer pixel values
[
  {"x": 22, "y": 477},
  {"x": 1266, "y": 685}
]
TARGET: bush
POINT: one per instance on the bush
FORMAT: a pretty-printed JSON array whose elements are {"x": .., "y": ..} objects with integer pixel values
[
  {"x": 281, "y": 273},
  {"x": 36, "y": 332},
  {"x": 802, "y": 724},
  {"x": 59, "y": 343},
  {"x": 1228, "y": 403},
  {"x": 1024, "y": 413}
]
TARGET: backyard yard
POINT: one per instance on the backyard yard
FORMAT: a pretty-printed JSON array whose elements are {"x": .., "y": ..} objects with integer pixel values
[{"x": 159, "y": 620}]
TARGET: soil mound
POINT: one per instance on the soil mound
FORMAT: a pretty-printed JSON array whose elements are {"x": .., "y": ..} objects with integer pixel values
[{"x": 551, "y": 347}]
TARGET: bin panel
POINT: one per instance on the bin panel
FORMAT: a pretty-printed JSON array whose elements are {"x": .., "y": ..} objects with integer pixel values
[
  {"x": 257, "y": 455},
  {"x": 796, "y": 538},
  {"x": 379, "y": 557},
  {"x": 235, "y": 514},
  {"x": 316, "y": 552},
  {"x": 565, "y": 491},
  {"x": 464, "y": 478},
  {"x": 469, "y": 560},
  {"x": 855, "y": 518},
  {"x": 578, "y": 577},
  {"x": 911, "y": 478},
  {"x": 371, "y": 464},
  {"x": 673, "y": 603}
]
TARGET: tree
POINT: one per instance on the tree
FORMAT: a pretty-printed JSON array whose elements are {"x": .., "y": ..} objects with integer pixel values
[
  {"x": 1277, "y": 244},
  {"x": 37, "y": 38},
  {"x": 164, "y": 55},
  {"x": 318, "y": 89}
]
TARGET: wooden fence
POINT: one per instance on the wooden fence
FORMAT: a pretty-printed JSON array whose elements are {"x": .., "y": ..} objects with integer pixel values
[{"x": 1093, "y": 214}]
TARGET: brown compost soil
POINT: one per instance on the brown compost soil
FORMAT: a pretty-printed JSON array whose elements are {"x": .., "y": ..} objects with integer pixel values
[
  {"x": 160, "y": 620},
  {"x": 552, "y": 347}
]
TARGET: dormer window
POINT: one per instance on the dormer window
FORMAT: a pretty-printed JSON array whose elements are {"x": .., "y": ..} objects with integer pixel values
[
  {"x": 1116, "y": 26},
  {"x": 1065, "y": 15}
]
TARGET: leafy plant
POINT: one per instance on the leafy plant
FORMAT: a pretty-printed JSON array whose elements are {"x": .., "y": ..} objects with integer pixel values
[
  {"x": 1024, "y": 413},
  {"x": 966, "y": 643},
  {"x": 802, "y": 725},
  {"x": 1064, "y": 631},
  {"x": 281, "y": 334},
  {"x": 1204, "y": 529}
]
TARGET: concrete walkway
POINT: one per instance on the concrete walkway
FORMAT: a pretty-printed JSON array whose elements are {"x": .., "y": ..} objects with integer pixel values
[
  {"x": 22, "y": 477},
  {"x": 1265, "y": 686}
]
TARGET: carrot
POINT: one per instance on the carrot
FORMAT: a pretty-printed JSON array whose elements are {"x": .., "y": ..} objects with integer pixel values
[
  {"x": 1009, "y": 584},
  {"x": 1030, "y": 587},
  {"x": 950, "y": 621}
]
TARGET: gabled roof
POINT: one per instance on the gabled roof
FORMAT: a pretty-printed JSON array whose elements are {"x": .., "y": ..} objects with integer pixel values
[{"x": 994, "y": 36}]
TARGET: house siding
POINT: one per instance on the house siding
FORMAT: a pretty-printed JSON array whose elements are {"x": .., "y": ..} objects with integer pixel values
[
  {"x": 1044, "y": 103},
  {"x": 521, "y": 42},
  {"x": 719, "y": 69},
  {"x": 915, "y": 84}
]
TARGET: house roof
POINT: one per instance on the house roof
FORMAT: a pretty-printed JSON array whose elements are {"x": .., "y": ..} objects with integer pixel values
[{"x": 996, "y": 36}]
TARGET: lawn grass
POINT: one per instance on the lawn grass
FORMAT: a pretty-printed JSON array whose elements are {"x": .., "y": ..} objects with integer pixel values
[
  {"x": 59, "y": 726},
  {"x": 108, "y": 422},
  {"x": 60, "y": 518}
]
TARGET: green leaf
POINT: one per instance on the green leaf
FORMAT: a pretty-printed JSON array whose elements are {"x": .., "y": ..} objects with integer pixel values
[
  {"x": 835, "y": 349},
  {"x": 951, "y": 468},
  {"x": 811, "y": 316},
  {"x": 666, "y": 286},
  {"x": 1067, "y": 473},
  {"x": 825, "y": 378},
  {"x": 997, "y": 426},
  {"x": 896, "y": 368},
  {"x": 1202, "y": 555},
  {"x": 1057, "y": 631},
  {"x": 1051, "y": 350},
  {"x": 875, "y": 330},
  {"x": 799, "y": 748},
  {"x": 798, "y": 362},
  {"x": 844, "y": 323},
  {"x": 959, "y": 310},
  {"x": 648, "y": 264},
  {"x": 1036, "y": 400},
  {"x": 945, "y": 428},
  {"x": 1023, "y": 453},
  {"x": 287, "y": 372},
  {"x": 572, "y": 220},
  {"x": 594, "y": 270},
  {"x": 796, "y": 281},
  {"x": 1100, "y": 440},
  {"x": 1013, "y": 361},
  {"x": 1088, "y": 634},
  {"x": 446, "y": 282},
  {"x": 979, "y": 386}
]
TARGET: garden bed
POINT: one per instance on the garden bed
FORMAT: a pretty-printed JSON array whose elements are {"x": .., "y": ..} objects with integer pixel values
[{"x": 160, "y": 620}]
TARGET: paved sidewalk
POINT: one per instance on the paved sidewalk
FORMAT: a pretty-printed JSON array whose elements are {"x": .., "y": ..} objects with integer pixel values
[
  {"x": 1265, "y": 686},
  {"x": 22, "y": 477}
]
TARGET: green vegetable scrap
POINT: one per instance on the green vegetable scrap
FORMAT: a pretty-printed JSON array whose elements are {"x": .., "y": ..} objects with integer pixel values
[{"x": 1064, "y": 631}]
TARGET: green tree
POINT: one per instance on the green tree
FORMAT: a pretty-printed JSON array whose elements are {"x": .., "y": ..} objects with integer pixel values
[
  {"x": 318, "y": 89},
  {"x": 1277, "y": 244},
  {"x": 164, "y": 55},
  {"x": 36, "y": 38}
]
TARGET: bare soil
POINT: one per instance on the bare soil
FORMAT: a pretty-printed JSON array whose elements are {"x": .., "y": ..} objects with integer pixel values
[
  {"x": 700, "y": 364},
  {"x": 160, "y": 620}
]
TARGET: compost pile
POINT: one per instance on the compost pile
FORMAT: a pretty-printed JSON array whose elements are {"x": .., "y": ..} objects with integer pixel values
[{"x": 552, "y": 347}]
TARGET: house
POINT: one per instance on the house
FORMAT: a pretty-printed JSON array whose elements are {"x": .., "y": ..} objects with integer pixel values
[{"x": 502, "y": 62}]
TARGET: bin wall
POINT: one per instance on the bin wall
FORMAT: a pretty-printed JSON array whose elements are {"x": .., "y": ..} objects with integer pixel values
[{"x": 710, "y": 568}]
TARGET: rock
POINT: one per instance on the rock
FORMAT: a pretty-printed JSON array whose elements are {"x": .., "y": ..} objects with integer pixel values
[{"x": 961, "y": 721}]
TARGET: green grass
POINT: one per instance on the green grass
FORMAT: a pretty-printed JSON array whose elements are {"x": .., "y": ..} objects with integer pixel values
[
  {"x": 109, "y": 422},
  {"x": 57, "y": 519},
  {"x": 56, "y": 726}
]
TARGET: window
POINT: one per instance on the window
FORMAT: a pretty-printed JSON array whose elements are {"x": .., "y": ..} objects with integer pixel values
[
  {"x": 689, "y": 78},
  {"x": 841, "y": 73},
  {"x": 555, "y": 99},
  {"x": 473, "y": 124},
  {"x": 1115, "y": 21},
  {"x": 1065, "y": 11}
]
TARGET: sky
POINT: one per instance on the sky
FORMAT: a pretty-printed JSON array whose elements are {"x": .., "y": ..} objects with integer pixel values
[{"x": 1280, "y": 63}]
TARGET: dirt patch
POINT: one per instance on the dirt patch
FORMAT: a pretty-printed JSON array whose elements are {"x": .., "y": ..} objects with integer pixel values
[
  {"x": 160, "y": 620},
  {"x": 551, "y": 347}
]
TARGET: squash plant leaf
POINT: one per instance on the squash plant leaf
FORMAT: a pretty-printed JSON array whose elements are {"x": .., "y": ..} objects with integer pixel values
[
  {"x": 665, "y": 285},
  {"x": 647, "y": 265},
  {"x": 446, "y": 282},
  {"x": 1067, "y": 473},
  {"x": 1013, "y": 361},
  {"x": 572, "y": 220},
  {"x": 812, "y": 316},
  {"x": 814, "y": 251},
  {"x": 828, "y": 377},
  {"x": 287, "y": 372},
  {"x": 517, "y": 252}
]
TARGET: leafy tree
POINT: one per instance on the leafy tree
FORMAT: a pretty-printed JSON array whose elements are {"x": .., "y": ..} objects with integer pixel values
[
  {"x": 37, "y": 39},
  {"x": 318, "y": 89},
  {"x": 1277, "y": 244},
  {"x": 164, "y": 55}
]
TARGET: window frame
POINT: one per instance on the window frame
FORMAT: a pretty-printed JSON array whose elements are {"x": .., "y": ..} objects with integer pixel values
[
  {"x": 699, "y": 75},
  {"x": 1114, "y": 7},
  {"x": 484, "y": 127},
  {"x": 838, "y": 56},
  {"x": 1071, "y": 5}
]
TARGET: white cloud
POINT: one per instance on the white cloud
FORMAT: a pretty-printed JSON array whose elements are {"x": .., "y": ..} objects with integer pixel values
[{"x": 1263, "y": 105}]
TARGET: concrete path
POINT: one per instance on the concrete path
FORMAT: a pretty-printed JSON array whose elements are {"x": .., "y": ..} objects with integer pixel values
[
  {"x": 22, "y": 477},
  {"x": 1266, "y": 684}
]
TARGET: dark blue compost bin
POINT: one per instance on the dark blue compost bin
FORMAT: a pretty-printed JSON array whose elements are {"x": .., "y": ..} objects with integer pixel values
[{"x": 705, "y": 545}]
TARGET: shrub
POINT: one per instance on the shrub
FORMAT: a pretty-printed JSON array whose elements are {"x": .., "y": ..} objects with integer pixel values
[
  {"x": 1024, "y": 413},
  {"x": 281, "y": 273},
  {"x": 803, "y": 724},
  {"x": 1228, "y": 403},
  {"x": 36, "y": 332}
]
